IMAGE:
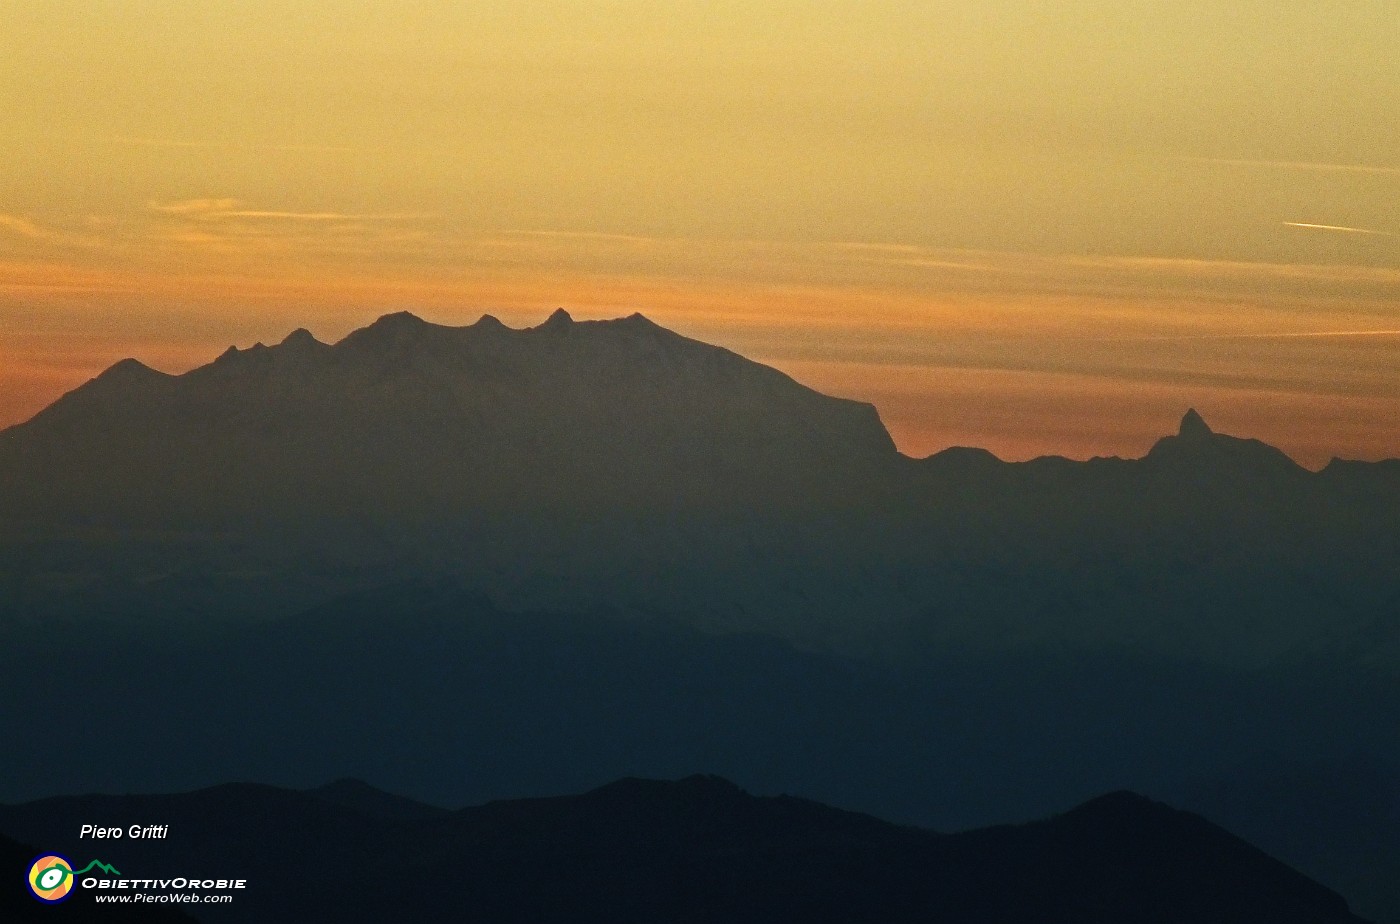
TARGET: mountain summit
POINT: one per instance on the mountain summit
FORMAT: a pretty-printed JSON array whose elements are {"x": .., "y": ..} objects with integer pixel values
[
  {"x": 435, "y": 417},
  {"x": 1194, "y": 427},
  {"x": 1199, "y": 450}
]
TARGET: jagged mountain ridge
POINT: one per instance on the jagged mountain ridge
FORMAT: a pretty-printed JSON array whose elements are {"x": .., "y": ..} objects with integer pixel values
[
  {"x": 616, "y": 465},
  {"x": 406, "y": 415}
]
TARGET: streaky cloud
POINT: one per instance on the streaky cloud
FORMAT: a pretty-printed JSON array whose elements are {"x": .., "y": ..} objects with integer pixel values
[
  {"x": 195, "y": 206},
  {"x": 26, "y": 228},
  {"x": 322, "y": 216},
  {"x": 637, "y": 239},
  {"x": 216, "y": 209}
]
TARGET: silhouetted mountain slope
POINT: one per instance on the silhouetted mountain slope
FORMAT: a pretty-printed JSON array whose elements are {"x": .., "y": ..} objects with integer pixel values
[
  {"x": 1122, "y": 843},
  {"x": 699, "y": 849},
  {"x": 1337, "y": 816}
]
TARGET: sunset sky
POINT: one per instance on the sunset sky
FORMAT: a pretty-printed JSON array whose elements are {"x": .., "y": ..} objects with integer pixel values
[{"x": 1035, "y": 227}]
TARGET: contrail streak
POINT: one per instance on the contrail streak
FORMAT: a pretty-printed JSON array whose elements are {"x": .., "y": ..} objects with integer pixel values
[
  {"x": 1315, "y": 227},
  {"x": 1296, "y": 165}
]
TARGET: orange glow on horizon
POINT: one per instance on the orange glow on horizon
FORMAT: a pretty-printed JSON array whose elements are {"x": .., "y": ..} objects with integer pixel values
[
  {"x": 1021, "y": 373},
  {"x": 1037, "y": 227}
]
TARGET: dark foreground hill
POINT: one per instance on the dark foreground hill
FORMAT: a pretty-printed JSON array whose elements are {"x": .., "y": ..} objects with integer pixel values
[{"x": 696, "y": 850}]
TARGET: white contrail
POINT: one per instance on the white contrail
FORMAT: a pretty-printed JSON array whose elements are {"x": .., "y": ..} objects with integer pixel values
[
  {"x": 229, "y": 146},
  {"x": 1277, "y": 335},
  {"x": 1315, "y": 227},
  {"x": 1296, "y": 165}
]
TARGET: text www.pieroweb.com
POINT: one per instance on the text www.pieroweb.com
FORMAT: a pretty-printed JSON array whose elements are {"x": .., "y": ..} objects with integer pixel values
[{"x": 169, "y": 898}]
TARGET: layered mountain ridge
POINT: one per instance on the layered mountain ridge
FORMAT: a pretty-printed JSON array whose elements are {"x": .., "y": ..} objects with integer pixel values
[
  {"x": 463, "y": 561},
  {"x": 617, "y": 465}
]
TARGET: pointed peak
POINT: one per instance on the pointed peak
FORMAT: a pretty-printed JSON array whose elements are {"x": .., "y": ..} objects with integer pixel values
[
  {"x": 389, "y": 332},
  {"x": 963, "y": 456},
  {"x": 234, "y": 356},
  {"x": 635, "y": 325},
  {"x": 559, "y": 318},
  {"x": 1199, "y": 447},
  {"x": 128, "y": 369},
  {"x": 301, "y": 337},
  {"x": 1194, "y": 426},
  {"x": 489, "y": 322},
  {"x": 399, "y": 319},
  {"x": 1117, "y": 808}
]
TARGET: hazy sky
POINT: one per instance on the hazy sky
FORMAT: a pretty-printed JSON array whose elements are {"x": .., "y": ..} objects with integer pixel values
[{"x": 1036, "y": 227}]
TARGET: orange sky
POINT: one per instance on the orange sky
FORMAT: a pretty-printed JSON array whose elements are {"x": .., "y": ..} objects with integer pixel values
[{"x": 1028, "y": 228}]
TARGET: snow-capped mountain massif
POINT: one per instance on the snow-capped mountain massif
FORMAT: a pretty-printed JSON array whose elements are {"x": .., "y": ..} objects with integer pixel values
[{"x": 403, "y": 416}]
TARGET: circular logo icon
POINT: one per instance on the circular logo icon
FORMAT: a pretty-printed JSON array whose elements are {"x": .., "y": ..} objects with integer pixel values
[{"x": 51, "y": 878}]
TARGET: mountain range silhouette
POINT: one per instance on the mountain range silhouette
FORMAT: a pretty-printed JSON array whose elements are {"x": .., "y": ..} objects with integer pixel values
[
  {"x": 467, "y": 563},
  {"x": 618, "y": 465}
]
